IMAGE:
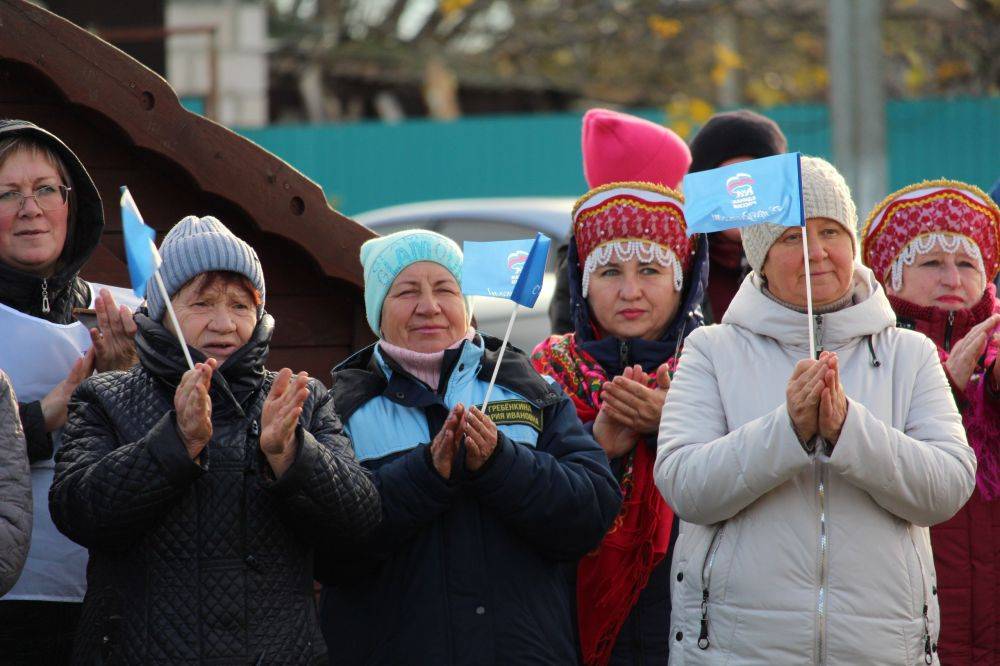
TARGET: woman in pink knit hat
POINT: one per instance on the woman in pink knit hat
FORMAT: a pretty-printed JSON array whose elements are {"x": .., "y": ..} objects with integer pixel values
[
  {"x": 618, "y": 147},
  {"x": 636, "y": 280},
  {"x": 936, "y": 247}
]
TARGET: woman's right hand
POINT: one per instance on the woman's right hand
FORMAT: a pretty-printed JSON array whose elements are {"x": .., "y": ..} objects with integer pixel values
[
  {"x": 633, "y": 403},
  {"x": 445, "y": 443},
  {"x": 802, "y": 396},
  {"x": 616, "y": 439},
  {"x": 55, "y": 404},
  {"x": 194, "y": 407},
  {"x": 965, "y": 354}
]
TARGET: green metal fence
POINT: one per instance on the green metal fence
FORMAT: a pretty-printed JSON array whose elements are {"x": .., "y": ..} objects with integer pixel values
[{"x": 368, "y": 165}]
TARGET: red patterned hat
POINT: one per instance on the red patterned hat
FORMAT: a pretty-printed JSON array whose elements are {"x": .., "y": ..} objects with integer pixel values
[
  {"x": 624, "y": 220},
  {"x": 944, "y": 213}
]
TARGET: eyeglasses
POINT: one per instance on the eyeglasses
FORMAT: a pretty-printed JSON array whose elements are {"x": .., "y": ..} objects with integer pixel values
[{"x": 48, "y": 197}]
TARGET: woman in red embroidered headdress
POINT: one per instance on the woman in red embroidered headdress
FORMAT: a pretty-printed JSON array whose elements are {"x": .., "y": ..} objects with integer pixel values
[
  {"x": 635, "y": 280},
  {"x": 936, "y": 248}
]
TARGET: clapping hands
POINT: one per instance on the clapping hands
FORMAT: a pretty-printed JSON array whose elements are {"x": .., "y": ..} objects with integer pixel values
[
  {"x": 480, "y": 435},
  {"x": 965, "y": 354},
  {"x": 114, "y": 338},
  {"x": 280, "y": 418},
  {"x": 630, "y": 407}
]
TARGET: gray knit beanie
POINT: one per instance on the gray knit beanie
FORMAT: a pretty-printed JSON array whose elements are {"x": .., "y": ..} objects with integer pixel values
[
  {"x": 200, "y": 245},
  {"x": 824, "y": 194}
]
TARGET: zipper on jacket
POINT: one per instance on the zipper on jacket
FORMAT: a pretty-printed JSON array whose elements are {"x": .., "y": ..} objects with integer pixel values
[
  {"x": 819, "y": 333},
  {"x": 45, "y": 295},
  {"x": 822, "y": 564},
  {"x": 623, "y": 354},
  {"x": 947, "y": 330},
  {"x": 706, "y": 579},
  {"x": 928, "y": 657},
  {"x": 928, "y": 648}
]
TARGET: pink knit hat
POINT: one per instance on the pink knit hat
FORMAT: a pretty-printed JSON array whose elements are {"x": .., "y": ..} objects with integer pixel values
[{"x": 619, "y": 148}]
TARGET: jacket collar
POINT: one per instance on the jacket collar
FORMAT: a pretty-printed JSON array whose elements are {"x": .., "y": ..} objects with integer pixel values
[
  {"x": 945, "y": 327},
  {"x": 615, "y": 353},
  {"x": 753, "y": 310},
  {"x": 369, "y": 373},
  {"x": 239, "y": 377}
]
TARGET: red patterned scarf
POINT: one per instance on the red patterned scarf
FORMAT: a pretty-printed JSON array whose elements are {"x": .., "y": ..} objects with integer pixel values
[{"x": 610, "y": 579}]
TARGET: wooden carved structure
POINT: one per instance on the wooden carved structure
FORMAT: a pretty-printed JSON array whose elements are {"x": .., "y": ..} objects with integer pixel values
[{"x": 128, "y": 127}]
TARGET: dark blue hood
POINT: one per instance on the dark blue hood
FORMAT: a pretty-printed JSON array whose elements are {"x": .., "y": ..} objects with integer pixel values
[{"x": 614, "y": 354}]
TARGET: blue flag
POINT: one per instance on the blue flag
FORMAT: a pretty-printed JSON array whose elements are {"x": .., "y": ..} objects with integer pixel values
[
  {"x": 140, "y": 248},
  {"x": 505, "y": 269},
  {"x": 768, "y": 189}
]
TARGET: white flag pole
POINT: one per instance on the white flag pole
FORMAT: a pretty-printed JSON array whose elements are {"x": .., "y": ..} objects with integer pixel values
[
  {"x": 173, "y": 318},
  {"x": 472, "y": 308},
  {"x": 496, "y": 368},
  {"x": 809, "y": 293}
]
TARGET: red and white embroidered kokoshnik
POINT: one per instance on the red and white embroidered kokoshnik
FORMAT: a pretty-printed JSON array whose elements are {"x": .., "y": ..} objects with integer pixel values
[
  {"x": 619, "y": 221},
  {"x": 943, "y": 214}
]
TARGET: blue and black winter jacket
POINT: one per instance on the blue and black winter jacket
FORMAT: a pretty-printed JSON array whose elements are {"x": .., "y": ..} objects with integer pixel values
[{"x": 471, "y": 569}]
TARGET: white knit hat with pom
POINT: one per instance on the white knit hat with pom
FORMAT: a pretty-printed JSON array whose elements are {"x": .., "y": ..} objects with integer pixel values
[{"x": 824, "y": 194}]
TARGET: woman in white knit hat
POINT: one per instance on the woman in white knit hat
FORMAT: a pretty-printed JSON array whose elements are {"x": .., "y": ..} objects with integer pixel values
[{"x": 805, "y": 486}]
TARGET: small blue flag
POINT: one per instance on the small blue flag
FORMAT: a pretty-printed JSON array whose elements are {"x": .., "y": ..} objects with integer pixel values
[
  {"x": 768, "y": 189},
  {"x": 505, "y": 269},
  {"x": 140, "y": 248}
]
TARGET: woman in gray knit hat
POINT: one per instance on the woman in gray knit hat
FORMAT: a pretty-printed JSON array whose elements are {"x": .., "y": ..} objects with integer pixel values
[
  {"x": 805, "y": 486},
  {"x": 200, "y": 493}
]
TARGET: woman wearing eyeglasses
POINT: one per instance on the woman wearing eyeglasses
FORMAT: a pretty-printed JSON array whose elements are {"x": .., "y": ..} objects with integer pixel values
[{"x": 50, "y": 222}]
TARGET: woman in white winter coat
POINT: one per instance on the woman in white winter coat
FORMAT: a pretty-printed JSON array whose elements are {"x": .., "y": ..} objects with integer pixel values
[{"x": 805, "y": 487}]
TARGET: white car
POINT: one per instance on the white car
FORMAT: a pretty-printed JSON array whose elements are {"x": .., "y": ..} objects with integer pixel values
[{"x": 489, "y": 220}]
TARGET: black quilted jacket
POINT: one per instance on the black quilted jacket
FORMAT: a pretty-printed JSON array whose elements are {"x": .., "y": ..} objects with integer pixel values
[{"x": 210, "y": 563}]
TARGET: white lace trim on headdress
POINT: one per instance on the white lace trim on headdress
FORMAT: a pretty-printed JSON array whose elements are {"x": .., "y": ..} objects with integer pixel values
[
  {"x": 625, "y": 250},
  {"x": 949, "y": 242}
]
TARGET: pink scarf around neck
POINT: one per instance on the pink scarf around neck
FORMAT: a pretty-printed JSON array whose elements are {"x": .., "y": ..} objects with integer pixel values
[{"x": 424, "y": 366}]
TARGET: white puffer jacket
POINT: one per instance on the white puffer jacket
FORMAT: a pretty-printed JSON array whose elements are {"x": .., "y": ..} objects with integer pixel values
[{"x": 789, "y": 558}]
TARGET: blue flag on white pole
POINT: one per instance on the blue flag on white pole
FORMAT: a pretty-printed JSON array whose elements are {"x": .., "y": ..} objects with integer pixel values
[
  {"x": 144, "y": 260},
  {"x": 140, "y": 248},
  {"x": 768, "y": 189},
  {"x": 505, "y": 269}
]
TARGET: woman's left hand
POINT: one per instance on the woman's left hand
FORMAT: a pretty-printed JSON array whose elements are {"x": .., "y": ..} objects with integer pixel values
[
  {"x": 632, "y": 403},
  {"x": 280, "y": 417},
  {"x": 114, "y": 337},
  {"x": 832, "y": 401},
  {"x": 480, "y": 438},
  {"x": 964, "y": 356}
]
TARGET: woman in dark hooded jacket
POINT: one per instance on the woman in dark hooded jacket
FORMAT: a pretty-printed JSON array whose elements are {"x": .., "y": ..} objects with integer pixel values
[
  {"x": 636, "y": 281},
  {"x": 50, "y": 222},
  {"x": 728, "y": 138}
]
